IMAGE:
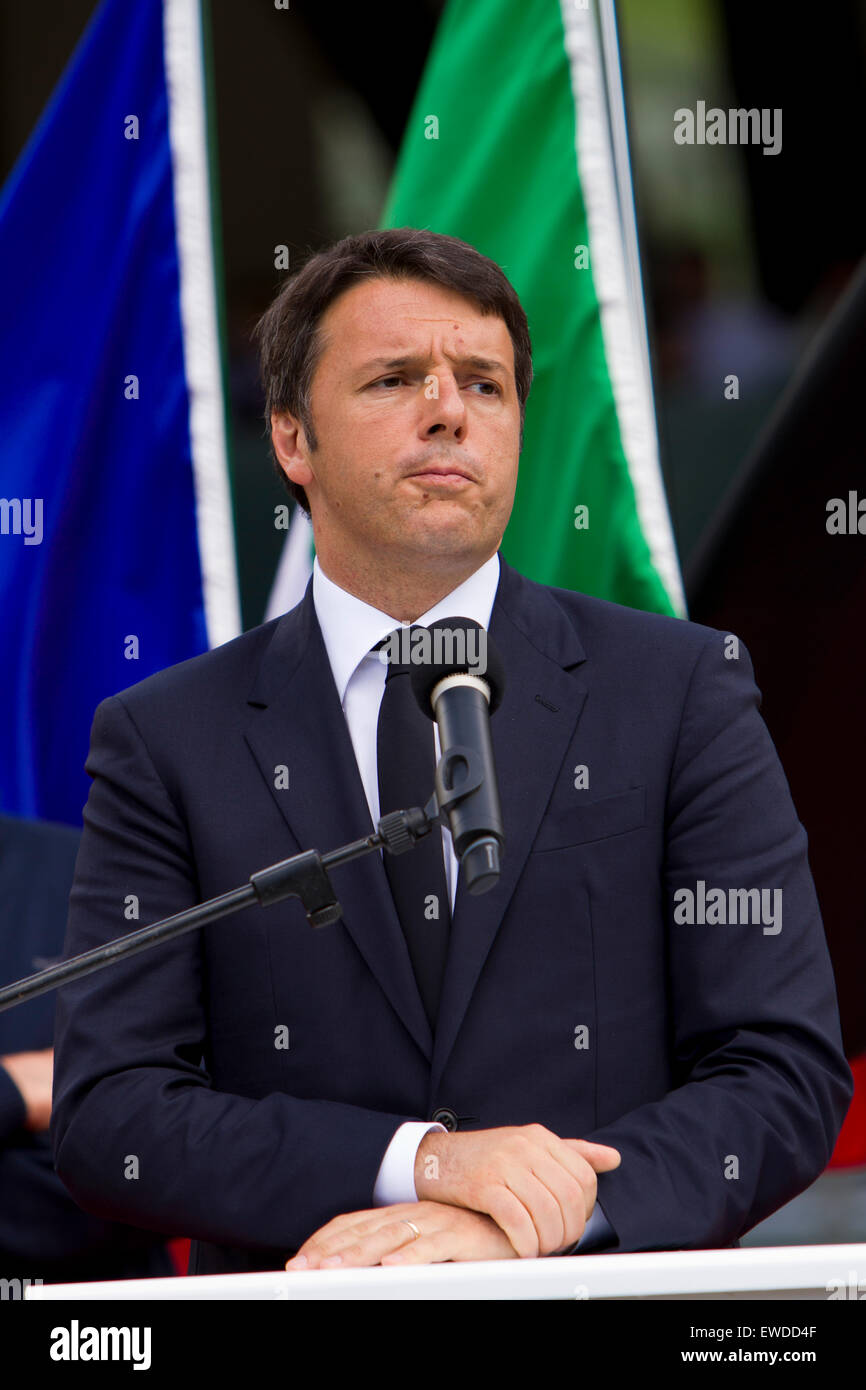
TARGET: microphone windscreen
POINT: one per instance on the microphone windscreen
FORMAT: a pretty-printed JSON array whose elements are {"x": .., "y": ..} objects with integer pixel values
[{"x": 455, "y": 646}]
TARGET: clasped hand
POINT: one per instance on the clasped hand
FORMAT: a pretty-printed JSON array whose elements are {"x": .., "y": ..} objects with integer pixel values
[{"x": 490, "y": 1195}]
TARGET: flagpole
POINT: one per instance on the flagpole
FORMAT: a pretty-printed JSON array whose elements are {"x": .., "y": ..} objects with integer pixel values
[
  {"x": 601, "y": 137},
  {"x": 612, "y": 73},
  {"x": 195, "y": 218}
]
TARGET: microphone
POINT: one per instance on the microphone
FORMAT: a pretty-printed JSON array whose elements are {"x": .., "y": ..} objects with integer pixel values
[{"x": 458, "y": 680}]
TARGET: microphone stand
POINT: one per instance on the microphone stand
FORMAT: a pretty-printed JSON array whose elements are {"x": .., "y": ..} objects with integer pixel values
[{"x": 304, "y": 876}]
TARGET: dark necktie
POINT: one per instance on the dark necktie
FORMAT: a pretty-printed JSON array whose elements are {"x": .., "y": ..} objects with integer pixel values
[{"x": 406, "y": 765}]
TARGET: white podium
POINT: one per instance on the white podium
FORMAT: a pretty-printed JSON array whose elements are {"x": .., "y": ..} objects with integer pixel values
[{"x": 778, "y": 1272}]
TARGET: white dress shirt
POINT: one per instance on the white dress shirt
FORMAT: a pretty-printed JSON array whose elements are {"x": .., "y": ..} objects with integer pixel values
[{"x": 350, "y": 628}]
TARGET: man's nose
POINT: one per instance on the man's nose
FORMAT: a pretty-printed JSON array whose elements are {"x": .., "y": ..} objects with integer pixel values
[{"x": 444, "y": 405}]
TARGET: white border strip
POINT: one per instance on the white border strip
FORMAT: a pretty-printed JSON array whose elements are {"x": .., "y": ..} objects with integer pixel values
[
  {"x": 621, "y": 319},
  {"x": 755, "y": 1272},
  {"x": 184, "y": 71}
]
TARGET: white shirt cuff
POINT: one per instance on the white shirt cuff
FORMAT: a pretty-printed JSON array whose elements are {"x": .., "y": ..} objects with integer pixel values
[{"x": 396, "y": 1179}]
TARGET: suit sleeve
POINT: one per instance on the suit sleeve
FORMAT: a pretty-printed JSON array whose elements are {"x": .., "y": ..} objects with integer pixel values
[
  {"x": 13, "y": 1108},
  {"x": 598, "y": 1235},
  {"x": 40, "y": 1226},
  {"x": 138, "y": 1131},
  {"x": 760, "y": 1081}
]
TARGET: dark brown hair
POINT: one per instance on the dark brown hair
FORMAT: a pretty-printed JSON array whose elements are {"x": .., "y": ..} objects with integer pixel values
[{"x": 288, "y": 335}]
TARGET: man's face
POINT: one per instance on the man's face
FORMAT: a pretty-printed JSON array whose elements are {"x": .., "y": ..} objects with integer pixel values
[{"x": 417, "y": 443}]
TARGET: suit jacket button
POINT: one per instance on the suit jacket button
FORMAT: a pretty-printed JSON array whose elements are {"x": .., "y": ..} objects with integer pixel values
[{"x": 445, "y": 1117}]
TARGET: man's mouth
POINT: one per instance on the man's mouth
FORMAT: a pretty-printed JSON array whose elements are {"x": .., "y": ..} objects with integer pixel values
[{"x": 442, "y": 475}]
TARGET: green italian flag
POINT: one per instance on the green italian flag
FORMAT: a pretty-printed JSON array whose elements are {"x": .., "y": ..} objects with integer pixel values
[{"x": 509, "y": 148}]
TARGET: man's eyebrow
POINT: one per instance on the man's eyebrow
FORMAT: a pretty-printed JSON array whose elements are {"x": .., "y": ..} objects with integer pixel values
[{"x": 480, "y": 364}]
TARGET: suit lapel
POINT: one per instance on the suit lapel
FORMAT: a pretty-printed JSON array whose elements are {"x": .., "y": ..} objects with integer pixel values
[
  {"x": 296, "y": 720},
  {"x": 530, "y": 733}
]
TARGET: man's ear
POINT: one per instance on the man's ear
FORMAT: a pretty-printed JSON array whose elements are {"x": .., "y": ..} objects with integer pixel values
[{"x": 290, "y": 447}]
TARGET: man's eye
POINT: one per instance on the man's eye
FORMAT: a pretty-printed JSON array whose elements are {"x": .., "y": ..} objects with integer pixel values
[{"x": 383, "y": 381}]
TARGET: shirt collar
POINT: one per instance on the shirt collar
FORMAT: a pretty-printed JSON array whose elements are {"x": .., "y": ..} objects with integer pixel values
[{"x": 351, "y": 627}]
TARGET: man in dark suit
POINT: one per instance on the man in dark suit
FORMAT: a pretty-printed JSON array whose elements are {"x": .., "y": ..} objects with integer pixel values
[{"x": 631, "y": 1042}]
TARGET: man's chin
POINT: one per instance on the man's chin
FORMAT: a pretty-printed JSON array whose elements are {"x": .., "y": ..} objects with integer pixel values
[{"x": 442, "y": 529}]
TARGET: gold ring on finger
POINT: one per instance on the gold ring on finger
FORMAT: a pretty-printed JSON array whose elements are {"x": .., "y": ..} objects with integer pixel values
[{"x": 414, "y": 1227}]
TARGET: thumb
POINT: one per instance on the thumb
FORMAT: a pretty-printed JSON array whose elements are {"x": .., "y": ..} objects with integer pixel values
[{"x": 602, "y": 1157}]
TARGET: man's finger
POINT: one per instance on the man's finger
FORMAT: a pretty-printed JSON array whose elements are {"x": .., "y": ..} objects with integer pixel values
[
  {"x": 602, "y": 1157},
  {"x": 462, "y": 1236},
  {"x": 536, "y": 1190},
  {"x": 369, "y": 1249},
  {"x": 432, "y": 1249},
  {"x": 327, "y": 1235},
  {"x": 513, "y": 1218},
  {"x": 362, "y": 1243},
  {"x": 559, "y": 1191},
  {"x": 572, "y": 1187}
]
